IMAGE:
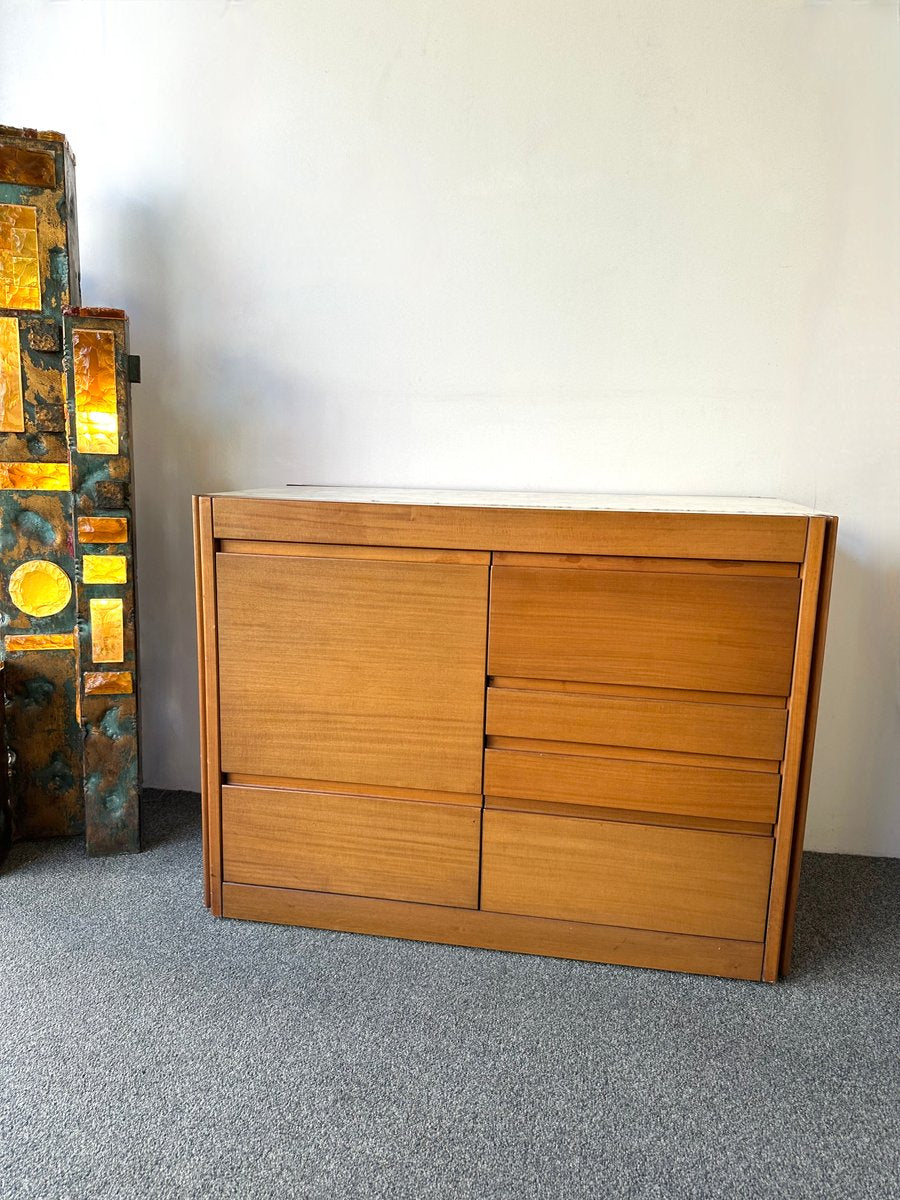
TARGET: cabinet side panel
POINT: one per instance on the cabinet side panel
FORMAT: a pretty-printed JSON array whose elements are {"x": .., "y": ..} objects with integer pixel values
[
  {"x": 812, "y": 712},
  {"x": 810, "y": 577},
  {"x": 201, "y": 680},
  {"x": 211, "y": 770}
]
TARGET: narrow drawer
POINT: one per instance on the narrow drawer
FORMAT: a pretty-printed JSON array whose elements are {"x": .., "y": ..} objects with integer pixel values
[
  {"x": 730, "y": 730},
  {"x": 643, "y": 786},
  {"x": 642, "y": 877},
  {"x": 355, "y": 845},
  {"x": 641, "y": 628}
]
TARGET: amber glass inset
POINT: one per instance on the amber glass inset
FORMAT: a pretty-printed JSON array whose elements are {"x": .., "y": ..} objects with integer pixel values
[
  {"x": 107, "y": 631},
  {"x": 20, "y": 273},
  {"x": 111, "y": 530},
  {"x": 108, "y": 683},
  {"x": 39, "y": 641},
  {"x": 34, "y": 168},
  {"x": 104, "y": 568},
  {"x": 35, "y": 477},
  {"x": 40, "y": 588},
  {"x": 12, "y": 412},
  {"x": 94, "y": 367}
]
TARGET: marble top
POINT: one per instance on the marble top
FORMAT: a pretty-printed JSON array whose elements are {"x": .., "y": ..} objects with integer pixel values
[{"x": 588, "y": 501}]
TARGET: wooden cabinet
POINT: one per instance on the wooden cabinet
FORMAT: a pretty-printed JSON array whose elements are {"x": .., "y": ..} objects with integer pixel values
[{"x": 570, "y": 725}]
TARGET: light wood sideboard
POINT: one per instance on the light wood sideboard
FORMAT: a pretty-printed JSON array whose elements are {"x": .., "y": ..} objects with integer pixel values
[{"x": 562, "y": 724}]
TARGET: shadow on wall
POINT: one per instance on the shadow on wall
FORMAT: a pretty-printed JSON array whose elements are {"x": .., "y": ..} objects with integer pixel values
[{"x": 853, "y": 795}]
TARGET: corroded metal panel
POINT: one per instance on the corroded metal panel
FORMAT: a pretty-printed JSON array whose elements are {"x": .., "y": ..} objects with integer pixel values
[
  {"x": 65, "y": 482},
  {"x": 98, "y": 386},
  {"x": 45, "y": 737}
]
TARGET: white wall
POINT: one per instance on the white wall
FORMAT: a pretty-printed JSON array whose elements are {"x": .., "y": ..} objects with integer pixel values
[{"x": 623, "y": 245}]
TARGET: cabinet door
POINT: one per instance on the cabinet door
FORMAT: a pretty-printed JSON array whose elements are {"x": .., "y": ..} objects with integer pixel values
[
  {"x": 340, "y": 667},
  {"x": 356, "y": 845}
]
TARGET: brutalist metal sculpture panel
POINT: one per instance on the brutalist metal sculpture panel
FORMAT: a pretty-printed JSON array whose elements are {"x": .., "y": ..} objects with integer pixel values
[{"x": 67, "y": 602}]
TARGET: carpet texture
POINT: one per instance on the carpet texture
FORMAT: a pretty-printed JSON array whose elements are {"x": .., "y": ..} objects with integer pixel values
[{"x": 150, "y": 1051}]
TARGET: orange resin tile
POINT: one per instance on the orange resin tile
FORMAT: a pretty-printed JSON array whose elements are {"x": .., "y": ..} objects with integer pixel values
[
  {"x": 107, "y": 631},
  {"x": 20, "y": 273},
  {"x": 33, "y": 168},
  {"x": 108, "y": 530},
  {"x": 40, "y": 588},
  {"x": 108, "y": 683},
  {"x": 35, "y": 477},
  {"x": 12, "y": 412},
  {"x": 94, "y": 369},
  {"x": 104, "y": 568},
  {"x": 39, "y": 641}
]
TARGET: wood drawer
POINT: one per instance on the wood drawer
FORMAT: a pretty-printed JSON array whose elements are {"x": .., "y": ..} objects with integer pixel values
[
  {"x": 730, "y": 730},
  {"x": 643, "y": 877},
  {"x": 355, "y": 845},
  {"x": 643, "y": 786},
  {"x": 641, "y": 628}
]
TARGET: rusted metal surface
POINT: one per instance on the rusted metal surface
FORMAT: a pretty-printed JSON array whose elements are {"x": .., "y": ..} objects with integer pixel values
[{"x": 76, "y": 753}]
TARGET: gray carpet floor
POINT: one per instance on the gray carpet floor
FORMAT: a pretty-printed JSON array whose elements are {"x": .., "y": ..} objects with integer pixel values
[{"x": 148, "y": 1050}]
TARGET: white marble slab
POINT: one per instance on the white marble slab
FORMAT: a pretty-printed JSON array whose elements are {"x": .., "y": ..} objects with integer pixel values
[{"x": 589, "y": 501}]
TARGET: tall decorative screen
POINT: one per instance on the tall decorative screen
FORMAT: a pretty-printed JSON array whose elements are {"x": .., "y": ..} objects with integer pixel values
[{"x": 67, "y": 601}]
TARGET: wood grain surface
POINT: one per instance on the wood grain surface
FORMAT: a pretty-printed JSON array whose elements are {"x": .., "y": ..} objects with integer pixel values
[
  {"x": 643, "y": 877},
  {"x": 656, "y": 534},
  {"x": 716, "y": 729},
  {"x": 352, "y": 670},
  {"x": 496, "y": 931},
  {"x": 622, "y": 783},
  {"x": 394, "y": 849},
  {"x": 798, "y": 703},
  {"x": 657, "y": 630}
]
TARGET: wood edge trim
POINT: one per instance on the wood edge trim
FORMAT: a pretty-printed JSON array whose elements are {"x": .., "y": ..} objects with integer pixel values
[
  {"x": 626, "y": 816},
  {"x": 793, "y": 886},
  {"x": 652, "y": 564},
  {"x": 234, "y": 783},
  {"x": 201, "y": 680},
  {"x": 797, "y": 709},
  {"x": 624, "y": 691},
  {"x": 213, "y": 805},
  {"x": 336, "y": 550},
  {"x": 672, "y": 758},
  {"x": 480, "y": 929},
  {"x": 325, "y": 787}
]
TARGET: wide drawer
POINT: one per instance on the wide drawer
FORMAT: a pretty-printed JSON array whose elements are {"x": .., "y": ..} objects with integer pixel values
[
  {"x": 626, "y": 784},
  {"x": 642, "y": 628},
  {"x": 355, "y": 845},
  {"x": 729, "y": 730},
  {"x": 644, "y": 877}
]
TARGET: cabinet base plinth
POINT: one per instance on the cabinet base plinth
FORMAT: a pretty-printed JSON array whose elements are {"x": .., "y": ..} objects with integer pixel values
[{"x": 495, "y": 931}]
